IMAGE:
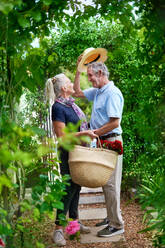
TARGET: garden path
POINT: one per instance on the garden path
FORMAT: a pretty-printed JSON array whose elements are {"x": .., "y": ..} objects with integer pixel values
[
  {"x": 90, "y": 212},
  {"x": 91, "y": 208}
]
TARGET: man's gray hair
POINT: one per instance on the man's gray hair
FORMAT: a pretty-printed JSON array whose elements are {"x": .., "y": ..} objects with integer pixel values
[
  {"x": 99, "y": 66},
  {"x": 54, "y": 86}
]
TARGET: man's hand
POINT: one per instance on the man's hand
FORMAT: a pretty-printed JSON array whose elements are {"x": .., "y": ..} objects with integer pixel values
[{"x": 79, "y": 59}]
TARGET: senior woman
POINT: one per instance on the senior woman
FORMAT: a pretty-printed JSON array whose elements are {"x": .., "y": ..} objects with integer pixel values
[{"x": 65, "y": 111}]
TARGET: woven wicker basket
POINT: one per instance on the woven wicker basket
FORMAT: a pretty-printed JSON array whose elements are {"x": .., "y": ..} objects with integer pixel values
[{"x": 91, "y": 167}]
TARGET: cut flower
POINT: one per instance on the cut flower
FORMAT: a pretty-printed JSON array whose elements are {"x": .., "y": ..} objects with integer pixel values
[
  {"x": 73, "y": 229},
  {"x": 112, "y": 145},
  {"x": 2, "y": 244}
]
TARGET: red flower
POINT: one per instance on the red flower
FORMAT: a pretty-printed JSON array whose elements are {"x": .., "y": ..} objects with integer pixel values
[
  {"x": 112, "y": 145},
  {"x": 2, "y": 244}
]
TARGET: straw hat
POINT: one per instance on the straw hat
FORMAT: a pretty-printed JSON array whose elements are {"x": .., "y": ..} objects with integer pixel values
[{"x": 92, "y": 55}]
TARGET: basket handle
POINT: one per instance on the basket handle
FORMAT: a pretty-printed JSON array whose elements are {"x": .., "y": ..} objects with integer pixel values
[{"x": 99, "y": 142}]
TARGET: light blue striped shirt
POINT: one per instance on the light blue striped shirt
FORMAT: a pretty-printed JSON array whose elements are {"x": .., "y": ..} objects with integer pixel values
[{"x": 108, "y": 102}]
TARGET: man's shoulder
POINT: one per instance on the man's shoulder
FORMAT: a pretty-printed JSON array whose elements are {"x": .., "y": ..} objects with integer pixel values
[
  {"x": 117, "y": 90},
  {"x": 114, "y": 93},
  {"x": 113, "y": 89}
]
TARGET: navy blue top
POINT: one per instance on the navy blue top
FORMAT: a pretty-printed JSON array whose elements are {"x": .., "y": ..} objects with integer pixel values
[
  {"x": 66, "y": 114},
  {"x": 63, "y": 113}
]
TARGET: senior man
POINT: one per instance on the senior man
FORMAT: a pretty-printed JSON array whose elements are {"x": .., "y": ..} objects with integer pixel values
[{"x": 105, "y": 121}]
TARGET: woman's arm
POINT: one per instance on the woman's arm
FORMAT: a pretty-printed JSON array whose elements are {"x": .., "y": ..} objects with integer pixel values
[
  {"x": 58, "y": 128},
  {"x": 89, "y": 133}
]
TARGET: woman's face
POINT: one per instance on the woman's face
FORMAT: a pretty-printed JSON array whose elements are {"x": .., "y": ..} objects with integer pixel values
[{"x": 69, "y": 86}]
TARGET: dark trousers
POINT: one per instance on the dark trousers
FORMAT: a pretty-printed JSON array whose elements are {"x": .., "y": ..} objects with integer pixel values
[{"x": 70, "y": 200}]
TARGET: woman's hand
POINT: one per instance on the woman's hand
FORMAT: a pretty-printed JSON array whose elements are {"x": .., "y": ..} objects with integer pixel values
[{"x": 89, "y": 133}]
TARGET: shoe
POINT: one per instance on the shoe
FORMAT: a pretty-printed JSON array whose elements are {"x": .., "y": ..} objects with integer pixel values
[
  {"x": 105, "y": 222},
  {"x": 58, "y": 237},
  {"x": 84, "y": 229},
  {"x": 109, "y": 231}
]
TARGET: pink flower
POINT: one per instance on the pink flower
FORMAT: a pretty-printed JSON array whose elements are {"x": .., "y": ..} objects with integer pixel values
[
  {"x": 73, "y": 227},
  {"x": 2, "y": 244}
]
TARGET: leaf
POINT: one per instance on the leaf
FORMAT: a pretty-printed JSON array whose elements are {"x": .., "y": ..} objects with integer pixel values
[
  {"x": 85, "y": 138},
  {"x": 58, "y": 205},
  {"x": 20, "y": 227},
  {"x": 25, "y": 205},
  {"x": 24, "y": 157},
  {"x": 50, "y": 58},
  {"x": 38, "y": 131},
  {"x": 42, "y": 150},
  {"x": 39, "y": 245},
  {"x": 23, "y": 22},
  {"x": 49, "y": 198},
  {"x": 47, "y": 2},
  {"x": 3, "y": 212},
  {"x": 36, "y": 213},
  {"x": 6, "y": 7},
  {"x": 36, "y": 15},
  {"x": 44, "y": 207},
  {"x": 56, "y": 172},
  {"x": 2, "y": 48},
  {"x": 148, "y": 189},
  {"x": 4, "y": 181}
]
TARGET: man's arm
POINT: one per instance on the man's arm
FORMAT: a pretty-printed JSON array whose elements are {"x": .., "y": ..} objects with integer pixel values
[
  {"x": 76, "y": 87},
  {"x": 109, "y": 126}
]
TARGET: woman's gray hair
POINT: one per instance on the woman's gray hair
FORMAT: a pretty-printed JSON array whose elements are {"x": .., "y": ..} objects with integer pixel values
[
  {"x": 54, "y": 86},
  {"x": 99, "y": 66}
]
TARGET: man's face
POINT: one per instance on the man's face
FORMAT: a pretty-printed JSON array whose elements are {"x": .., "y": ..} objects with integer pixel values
[{"x": 93, "y": 78}]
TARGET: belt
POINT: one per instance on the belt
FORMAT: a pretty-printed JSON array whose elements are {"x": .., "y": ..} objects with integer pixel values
[{"x": 110, "y": 135}]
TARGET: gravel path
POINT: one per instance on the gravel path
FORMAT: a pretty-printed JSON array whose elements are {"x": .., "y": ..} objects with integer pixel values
[{"x": 132, "y": 215}]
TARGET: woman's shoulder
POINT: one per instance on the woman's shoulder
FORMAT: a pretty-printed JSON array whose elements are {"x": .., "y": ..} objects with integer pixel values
[
  {"x": 58, "y": 112},
  {"x": 57, "y": 106}
]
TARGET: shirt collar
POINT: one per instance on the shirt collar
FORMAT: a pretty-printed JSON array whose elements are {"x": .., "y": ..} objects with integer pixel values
[{"x": 109, "y": 85}]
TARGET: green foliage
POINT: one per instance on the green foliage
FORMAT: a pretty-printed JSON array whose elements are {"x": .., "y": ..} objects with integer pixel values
[
  {"x": 33, "y": 110},
  {"x": 69, "y": 140},
  {"x": 69, "y": 43},
  {"x": 20, "y": 153},
  {"x": 153, "y": 201},
  {"x": 7, "y": 6},
  {"x": 20, "y": 23},
  {"x": 136, "y": 63},
  {"x": 129, "y": 61}
]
